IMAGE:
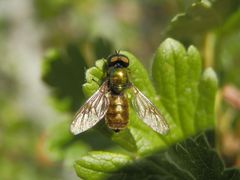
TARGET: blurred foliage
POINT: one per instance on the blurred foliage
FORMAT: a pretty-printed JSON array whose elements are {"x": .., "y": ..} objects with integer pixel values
[
  {"x": 202, "y": 16},
  {"x": 64, "y": 67},
  {"x": 48, "y": 9},
  {"x": 20, "y": 155},
  {"x": 64, "y": 71},
  {"x": 75, "y": 34},
  {"x": 228, "y": 60}
]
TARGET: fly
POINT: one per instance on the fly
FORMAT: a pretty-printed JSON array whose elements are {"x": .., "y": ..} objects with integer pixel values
[{"x": 110, "y": 102}]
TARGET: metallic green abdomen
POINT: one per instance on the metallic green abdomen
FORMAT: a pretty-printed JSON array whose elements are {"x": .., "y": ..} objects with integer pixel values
[{"x": 118, "y": 79}]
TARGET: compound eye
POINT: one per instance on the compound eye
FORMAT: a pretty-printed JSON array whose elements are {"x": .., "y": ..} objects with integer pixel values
[
  {"x": 125, "y": 60},
  {"x": 118, "y": 59},
  {"x": 114, "y": 59}
]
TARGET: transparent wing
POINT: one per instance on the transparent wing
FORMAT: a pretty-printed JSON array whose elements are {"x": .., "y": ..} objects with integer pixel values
[
  {"x": 92, "y": 111},
  {"x": 148, "y": 112}
]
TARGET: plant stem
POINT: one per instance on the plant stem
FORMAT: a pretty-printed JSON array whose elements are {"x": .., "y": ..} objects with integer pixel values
[{"x": 209, "y": 49}]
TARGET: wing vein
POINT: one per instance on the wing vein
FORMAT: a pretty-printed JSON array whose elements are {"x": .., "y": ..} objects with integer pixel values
[
  {"x": 148, "y": 112},
  {"x": 92, "y": 111}
]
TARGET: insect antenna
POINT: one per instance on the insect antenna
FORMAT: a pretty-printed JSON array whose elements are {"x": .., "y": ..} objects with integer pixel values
[{"x": 117, "y": 52}]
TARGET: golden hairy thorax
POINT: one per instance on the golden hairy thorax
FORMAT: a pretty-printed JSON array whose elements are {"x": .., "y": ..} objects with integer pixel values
[
  {"x": 117, "y": 115},
  {"x": 118, "y": 80}
]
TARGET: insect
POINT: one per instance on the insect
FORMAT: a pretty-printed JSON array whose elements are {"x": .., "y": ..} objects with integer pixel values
[{"x": 110, "y": 102}]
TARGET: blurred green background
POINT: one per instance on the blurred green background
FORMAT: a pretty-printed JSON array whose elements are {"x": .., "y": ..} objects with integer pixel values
[{"x": 31, "y": 145}]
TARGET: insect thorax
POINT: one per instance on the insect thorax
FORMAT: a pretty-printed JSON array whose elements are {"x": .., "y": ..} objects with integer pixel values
[{"x": 118, "y": 79}]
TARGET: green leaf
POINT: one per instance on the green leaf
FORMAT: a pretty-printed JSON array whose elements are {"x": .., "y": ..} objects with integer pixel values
[
  {"x": 171, "y": 72},
  {"x": 176, "y": 74},
  {"x": 98, "y": 165},
  {"x": 94, "y": 77},
  {"x": 202, "y": 16},
  {"x": 192, "y": 158},
  {"x": 204, "y": 116}
]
